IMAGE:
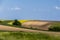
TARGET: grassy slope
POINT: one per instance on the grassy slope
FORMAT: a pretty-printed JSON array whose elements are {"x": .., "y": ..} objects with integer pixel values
[
  {"x": 56, "y": 23},
  {"x": 26, "y": 36}
]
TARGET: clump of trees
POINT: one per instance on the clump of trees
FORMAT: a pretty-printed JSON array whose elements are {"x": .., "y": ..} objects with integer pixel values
[
  {"x": 54, "y": 28},
  {"x": 16, "y": 23}
]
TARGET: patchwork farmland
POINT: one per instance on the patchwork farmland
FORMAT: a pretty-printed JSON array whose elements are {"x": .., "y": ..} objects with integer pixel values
[{"x": 29, "y": 27}]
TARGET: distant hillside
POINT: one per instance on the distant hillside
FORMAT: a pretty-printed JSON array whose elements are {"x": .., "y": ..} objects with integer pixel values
[{"x": 36, "y": 24}]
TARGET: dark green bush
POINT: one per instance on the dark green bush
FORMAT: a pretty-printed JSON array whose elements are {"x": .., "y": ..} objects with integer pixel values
[
  {"x": 54, "y": 28},
  {"x": 16, "y": 23}
]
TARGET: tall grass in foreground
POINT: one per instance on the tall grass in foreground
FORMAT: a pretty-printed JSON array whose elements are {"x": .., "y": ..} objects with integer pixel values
[{"x": 26, "y": 36}]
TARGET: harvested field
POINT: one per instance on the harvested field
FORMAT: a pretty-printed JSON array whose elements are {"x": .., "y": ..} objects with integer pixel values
[{"x": 42, "y": 25}]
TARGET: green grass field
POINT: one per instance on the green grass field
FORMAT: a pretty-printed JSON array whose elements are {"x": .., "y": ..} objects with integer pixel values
[{"x": 26, "y": 36}]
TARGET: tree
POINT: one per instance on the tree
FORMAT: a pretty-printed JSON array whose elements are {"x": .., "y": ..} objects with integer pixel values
[
  {"x": 16, "y": 22},
  {"x": 0, "y": 22}
]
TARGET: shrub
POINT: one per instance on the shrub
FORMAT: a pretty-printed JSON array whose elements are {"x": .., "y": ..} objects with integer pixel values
[
  {"x": 54, "y": 28},
  {"x": 16, "y": 22},
  {"x": 1, "y": 21}
]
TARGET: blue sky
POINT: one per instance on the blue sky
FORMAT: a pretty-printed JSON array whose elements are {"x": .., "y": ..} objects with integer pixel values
[{"x": 30, "y": 9}]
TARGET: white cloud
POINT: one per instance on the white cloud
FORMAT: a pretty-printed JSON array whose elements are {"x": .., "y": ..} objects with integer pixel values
[
  {"x": 16, "y": 8},
  {"x": 58, "y": 8},
  {"x": 9, "y": 9}
]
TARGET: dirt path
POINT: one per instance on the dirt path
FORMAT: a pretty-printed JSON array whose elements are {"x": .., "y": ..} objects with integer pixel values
[{"x": 8, "y": 28}]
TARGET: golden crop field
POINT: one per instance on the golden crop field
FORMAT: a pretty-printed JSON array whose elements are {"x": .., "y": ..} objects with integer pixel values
[{"x": 22, "y": 21}]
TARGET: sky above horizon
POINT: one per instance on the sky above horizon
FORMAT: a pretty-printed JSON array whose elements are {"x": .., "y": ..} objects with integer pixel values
[{"x": 30, "y": 9}]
